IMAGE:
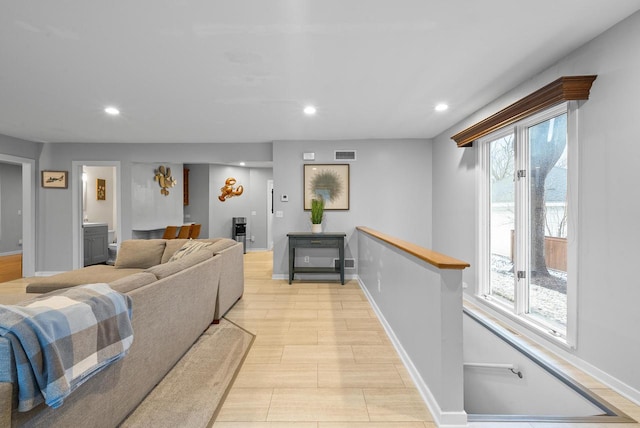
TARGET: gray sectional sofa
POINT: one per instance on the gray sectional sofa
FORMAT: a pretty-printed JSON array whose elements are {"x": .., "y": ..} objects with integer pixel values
[{"x": 174, "y": 302}]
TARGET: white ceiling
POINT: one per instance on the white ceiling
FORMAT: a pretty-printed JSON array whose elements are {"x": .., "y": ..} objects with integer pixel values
[{"x": 242, "y": 70}]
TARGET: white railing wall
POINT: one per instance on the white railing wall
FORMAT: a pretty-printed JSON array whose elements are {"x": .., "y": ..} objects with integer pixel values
[{"x": 420, "y": 306}]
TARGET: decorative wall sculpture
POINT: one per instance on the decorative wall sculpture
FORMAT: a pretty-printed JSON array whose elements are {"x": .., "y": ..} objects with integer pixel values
[
  {"x": 164, "y": 179},
  {"x": 228, "y": 191}
]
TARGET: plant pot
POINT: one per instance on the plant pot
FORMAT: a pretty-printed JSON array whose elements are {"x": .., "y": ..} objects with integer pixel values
[{"x": 316, "y": 228}]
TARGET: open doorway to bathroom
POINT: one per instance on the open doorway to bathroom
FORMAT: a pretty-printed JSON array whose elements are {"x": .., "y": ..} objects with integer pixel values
[{"x": 97, "y": 212}]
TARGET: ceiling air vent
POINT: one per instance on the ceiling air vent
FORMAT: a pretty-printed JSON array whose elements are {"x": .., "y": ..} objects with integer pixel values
[{"x": 345, "y": 155}]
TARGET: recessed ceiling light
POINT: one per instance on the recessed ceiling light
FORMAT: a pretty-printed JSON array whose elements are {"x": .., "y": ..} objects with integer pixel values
[
  {"x": 441, "y": 107},
  {"x": 242, "y": 164},
  {"x": 310, "y": 110},
  {"x": 112, "y": 111}
]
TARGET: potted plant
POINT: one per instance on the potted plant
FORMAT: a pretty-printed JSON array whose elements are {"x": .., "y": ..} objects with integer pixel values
[{"x": 317, "y": 212}]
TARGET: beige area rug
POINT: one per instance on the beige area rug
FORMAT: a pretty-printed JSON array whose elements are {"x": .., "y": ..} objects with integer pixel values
[{"x": 191, "y": 394}]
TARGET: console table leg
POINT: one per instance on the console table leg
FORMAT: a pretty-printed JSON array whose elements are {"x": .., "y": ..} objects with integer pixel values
[
  {"x": 292, "y": 256},
  {"x": 341, "y": 251}
]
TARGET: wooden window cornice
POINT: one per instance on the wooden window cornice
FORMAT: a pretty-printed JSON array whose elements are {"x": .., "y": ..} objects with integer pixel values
[{"x": 567, "y": 88}]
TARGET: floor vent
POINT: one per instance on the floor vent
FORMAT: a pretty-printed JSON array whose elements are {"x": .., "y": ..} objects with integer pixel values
[
  {"x": 348, "y": 263},
  {"x": 345, "y": 155}
]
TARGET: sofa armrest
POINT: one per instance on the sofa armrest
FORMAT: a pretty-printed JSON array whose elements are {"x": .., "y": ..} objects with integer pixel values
[
  {"x": 231, "y": 285},
  {"x": 6, "y": 403},
  {"x": 7, "y": 379}
]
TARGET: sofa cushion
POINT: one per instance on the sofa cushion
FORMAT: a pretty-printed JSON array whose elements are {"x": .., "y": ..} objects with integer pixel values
[
  {"x": 222, "y": 244},
  {"x": 218, "y": 244},
  {"x": 189, "y": 247},
  {"x": 171, "y": 247},
  {"x": 164, "y": 270},
  {"x": 87, "y": 275},
  {"x": 140, "y": 253},
  {"x": 167, "y": 269},
  {"x": 131, "y": 282}
]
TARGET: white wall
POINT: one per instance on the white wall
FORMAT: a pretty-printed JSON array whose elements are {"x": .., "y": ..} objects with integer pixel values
[
  {"x": 222, "y": 213},
  {"x": 150, "y": 208},
  {"x": 390, "y": 191},
  {"x": 498, "y": 391},
  {"x": 609, "y": 207},
  {"x": 101, "y": 211}
]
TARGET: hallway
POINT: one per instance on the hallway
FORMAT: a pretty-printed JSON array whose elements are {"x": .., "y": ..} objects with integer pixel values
[{"x": 320, "y": 359}]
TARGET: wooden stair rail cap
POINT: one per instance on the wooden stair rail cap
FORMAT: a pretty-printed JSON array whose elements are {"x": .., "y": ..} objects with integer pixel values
[{"x": 434, "y": 258}]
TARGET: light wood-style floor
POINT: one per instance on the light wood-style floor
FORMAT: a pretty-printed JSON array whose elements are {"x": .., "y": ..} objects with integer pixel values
[
  {"x": 321, "y": 359},
  {"x": 10, "y": 267}
]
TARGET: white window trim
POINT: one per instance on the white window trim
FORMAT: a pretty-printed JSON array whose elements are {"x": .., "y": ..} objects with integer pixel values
[{"x": 570, "y": 339}]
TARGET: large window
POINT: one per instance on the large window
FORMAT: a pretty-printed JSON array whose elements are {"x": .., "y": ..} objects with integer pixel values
[{"x": 525, "y": 223}]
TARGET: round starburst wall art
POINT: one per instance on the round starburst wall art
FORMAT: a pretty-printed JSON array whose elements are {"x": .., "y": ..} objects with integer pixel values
[{"x": 329, "y": 183}]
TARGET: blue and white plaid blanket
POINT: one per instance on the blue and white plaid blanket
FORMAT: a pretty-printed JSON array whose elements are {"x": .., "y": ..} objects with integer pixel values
[{"x": 60, "y": 340}]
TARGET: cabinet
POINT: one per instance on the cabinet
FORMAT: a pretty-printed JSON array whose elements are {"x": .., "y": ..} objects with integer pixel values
[{"x": 96, "y": 243}]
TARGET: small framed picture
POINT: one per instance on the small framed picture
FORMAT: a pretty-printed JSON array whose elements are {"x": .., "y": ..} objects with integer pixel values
[
  {"x": 55, "y": 179},
  {"x": 101, "y": 189}
]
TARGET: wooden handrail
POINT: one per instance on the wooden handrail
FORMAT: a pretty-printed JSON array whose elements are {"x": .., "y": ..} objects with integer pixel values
[{"x": 434, "y": 258}]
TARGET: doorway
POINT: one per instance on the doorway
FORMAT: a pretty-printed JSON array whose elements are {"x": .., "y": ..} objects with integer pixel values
[
  {"x": 27, "y": 211},
  {"x": 96, "y": 200}
]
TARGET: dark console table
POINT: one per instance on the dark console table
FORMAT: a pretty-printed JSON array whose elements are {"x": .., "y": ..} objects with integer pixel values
[{"x": 316, "y": 240}]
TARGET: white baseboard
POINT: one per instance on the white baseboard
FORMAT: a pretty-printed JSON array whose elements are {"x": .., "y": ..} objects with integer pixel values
[
  {"x": 605, "y": 378},
  {"x": 441, "y": 418},
  {"x": 11, "y": 253}
]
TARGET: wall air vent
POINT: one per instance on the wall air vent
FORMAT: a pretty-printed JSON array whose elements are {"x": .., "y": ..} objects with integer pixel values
[
  {"x": 348, "y": 263},
  {"x": 345, "y": 155}
]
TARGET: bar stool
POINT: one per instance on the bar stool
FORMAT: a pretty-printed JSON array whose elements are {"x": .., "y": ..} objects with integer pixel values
[
  {"x": 185, "y": 231},
  {"x": 195, "y": 231},
  {"x": 170, "y": 232}
]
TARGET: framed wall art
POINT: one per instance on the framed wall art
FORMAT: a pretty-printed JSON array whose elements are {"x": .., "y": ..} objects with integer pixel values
[
  {"x": 55, "y": 179},
  {"x": 329, "y": 182},
  {"x": 101, "y": 189}
]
